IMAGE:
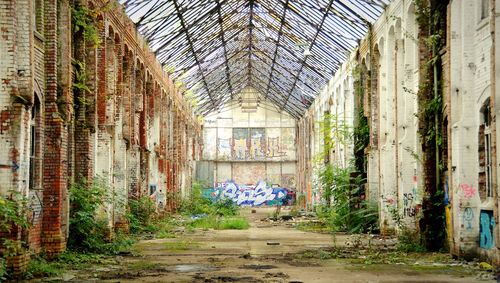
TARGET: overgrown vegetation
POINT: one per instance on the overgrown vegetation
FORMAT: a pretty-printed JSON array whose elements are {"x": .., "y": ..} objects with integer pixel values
[
  {"x": 84, "y": 23},
  {"x": 431, "y": 18},
  {"x": 40, "y": 267},
  {"x": 366, "y": 256},
  {"x": 207, "y": 214},
  {"x": 89, "y": 230},
  {"x": 197, "y": 204},
  {"x": 409, "y": 240},
  {"x": 13, "y": 221},
  {"x": 347, "y": 211},
  {"x": 361, "y": 130},
  {"x": 220, "y": 223},
  {"x": 142, "y": 216},
  {"x": 344, "y": 207}
]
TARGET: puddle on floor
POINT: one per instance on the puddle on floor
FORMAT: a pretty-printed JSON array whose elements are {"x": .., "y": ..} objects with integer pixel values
[{"x": 192, "y": 268}]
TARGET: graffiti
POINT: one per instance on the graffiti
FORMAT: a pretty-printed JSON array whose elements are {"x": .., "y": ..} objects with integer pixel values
[
  {"x": 468, "y": 217},
  {"x": 274, "y": 148},
  {"x": 288, "y": 180},
  {"x": 468, "y": 190},
  {"x": 240, "y": 148},
  {"x": 152, "y": 189},
  {"x": 161, "y": 199},
  {"x": 257, "y": 143},
  {"x": 388, "y": 200},
  {"x": 256, "y": 149},
  {"x": 224, "y": 148},
  {"x": 409, "y": 209},
  {"x": 249, "y": 143},
  {"x": 257, "y": 195},
  {"x": 157, "y": 195},
  {"x": 487, "y": 225},
  {"x": 35, "y": 205}
]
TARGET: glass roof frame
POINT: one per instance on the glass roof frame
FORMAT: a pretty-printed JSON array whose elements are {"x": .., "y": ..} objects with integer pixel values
[{"x": 219, "y": 47}]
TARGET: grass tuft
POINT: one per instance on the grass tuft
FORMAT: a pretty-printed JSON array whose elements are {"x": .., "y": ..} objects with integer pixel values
[{"x": 220, "y": 223}]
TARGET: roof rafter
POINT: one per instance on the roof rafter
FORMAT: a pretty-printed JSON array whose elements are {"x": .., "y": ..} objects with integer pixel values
[{"x": 218, "y": 48}]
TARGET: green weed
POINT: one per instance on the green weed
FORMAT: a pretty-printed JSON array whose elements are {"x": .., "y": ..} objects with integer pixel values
[
  {"x": 409, "y": 241},
  {"x": 141, "y": 215},
  {"x": 235, "y": 223},
  {"x": 220, "y": 223},
  {"x": 180, "y": 245},
  {"x": 39, "y": 267},
  {"x": 87, "y": 231}
]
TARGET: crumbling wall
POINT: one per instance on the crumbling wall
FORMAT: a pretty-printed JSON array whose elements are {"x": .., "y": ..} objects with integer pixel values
[{"x": 73, "y": 108}]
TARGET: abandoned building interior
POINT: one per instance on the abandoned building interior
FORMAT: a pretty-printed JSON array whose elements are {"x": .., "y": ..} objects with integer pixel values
[{"x": 262, "y": 102}]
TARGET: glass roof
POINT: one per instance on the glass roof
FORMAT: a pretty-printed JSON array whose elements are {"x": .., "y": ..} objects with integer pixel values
[{"x": 285, "y": 49}]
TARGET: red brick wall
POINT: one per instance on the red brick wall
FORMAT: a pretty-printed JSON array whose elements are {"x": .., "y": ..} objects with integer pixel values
[{"x": 128, "y": 91}]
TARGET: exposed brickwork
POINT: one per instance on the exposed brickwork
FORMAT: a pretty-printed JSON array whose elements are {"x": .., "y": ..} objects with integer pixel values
[{"x": 131, "y": 126}]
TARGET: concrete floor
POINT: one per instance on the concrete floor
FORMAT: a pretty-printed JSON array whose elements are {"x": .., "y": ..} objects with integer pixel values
[{"x": 246, "y": 256}]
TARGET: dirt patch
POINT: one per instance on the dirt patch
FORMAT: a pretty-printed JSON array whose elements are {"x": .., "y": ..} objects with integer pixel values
[
  {"x": 276, "y": 275},
  {"x": 244, "y": 256},
  {"x": 257, "y": 266},
  {"x": 249, "y": 279},
  {"x": 122, "y": 274}
]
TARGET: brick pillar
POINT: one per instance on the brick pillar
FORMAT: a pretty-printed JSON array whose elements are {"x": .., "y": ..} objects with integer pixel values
[
  {"x": 55, "y": 155},
  {"x": 84, "y": 138}
]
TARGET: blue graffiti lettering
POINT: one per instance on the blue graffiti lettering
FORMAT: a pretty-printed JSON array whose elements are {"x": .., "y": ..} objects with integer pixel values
[{"x": 257, "y": 195}]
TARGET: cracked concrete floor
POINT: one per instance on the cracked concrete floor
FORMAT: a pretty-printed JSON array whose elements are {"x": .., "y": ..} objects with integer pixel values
[{"x": 247, "y": 256}]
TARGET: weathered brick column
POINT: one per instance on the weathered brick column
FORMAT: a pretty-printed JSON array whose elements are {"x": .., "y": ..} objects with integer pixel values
[{"x": 55, "y": 154}]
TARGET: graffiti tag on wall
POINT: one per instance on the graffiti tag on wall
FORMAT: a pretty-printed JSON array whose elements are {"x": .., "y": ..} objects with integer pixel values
[
  {"x": 486, "y": 228},
  {"x": 409, "y": 209},
  {"x": 35, "y": 205},
  {"x": 257, "y": 195},
  {"x": 468, "y": 191},
  {"x": 468, "y": 218}
]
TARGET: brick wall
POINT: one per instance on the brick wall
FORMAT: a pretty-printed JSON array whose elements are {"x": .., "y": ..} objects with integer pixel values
[{"x": 123, "y": 128}]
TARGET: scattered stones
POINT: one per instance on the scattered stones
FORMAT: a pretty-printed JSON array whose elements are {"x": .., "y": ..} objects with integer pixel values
[
  {"x": 276, "y": 275},
  {"x": 246, "y": 256}
]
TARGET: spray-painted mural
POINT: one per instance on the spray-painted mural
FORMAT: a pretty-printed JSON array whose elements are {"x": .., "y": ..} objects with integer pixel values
[
  {"x": 251, "y": 144},
  {"x": 240, "y": 145},
  {"x": 244, "y": 195},
  {"x": 487, "y": 226}
]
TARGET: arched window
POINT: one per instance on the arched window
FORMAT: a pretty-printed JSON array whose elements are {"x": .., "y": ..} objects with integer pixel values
[
  {"x": 484, "y": 149},
  {"x": 34, "y": 143}
]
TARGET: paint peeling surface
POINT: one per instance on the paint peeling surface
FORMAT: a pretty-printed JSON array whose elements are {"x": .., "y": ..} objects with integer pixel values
[{"x": 248, "y": 195}]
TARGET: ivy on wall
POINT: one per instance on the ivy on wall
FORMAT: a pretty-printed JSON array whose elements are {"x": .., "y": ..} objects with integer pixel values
[
  {"x": 84, "y": 23},
  {"x": 361, "y": 131},
  {"x": 85, "y": 35},
  {"x": 431, "y": 18}
]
